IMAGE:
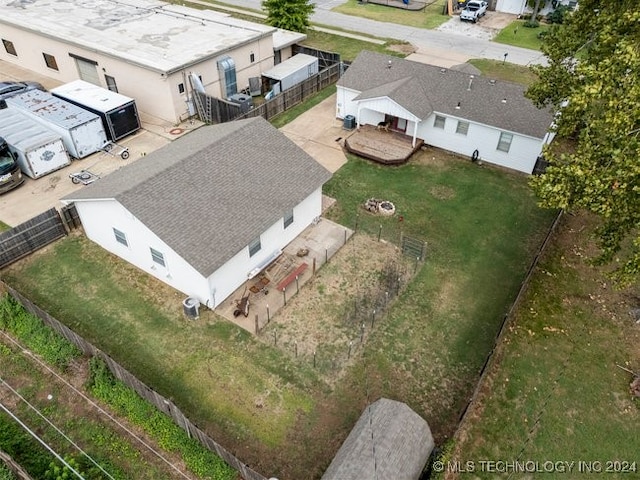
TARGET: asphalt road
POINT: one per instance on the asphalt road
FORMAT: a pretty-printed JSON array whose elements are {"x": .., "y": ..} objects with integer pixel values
[{"x": 425, "y": 40}]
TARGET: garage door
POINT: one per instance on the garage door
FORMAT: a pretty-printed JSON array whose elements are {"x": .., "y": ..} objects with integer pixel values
[{"x": 88, "y": 71}]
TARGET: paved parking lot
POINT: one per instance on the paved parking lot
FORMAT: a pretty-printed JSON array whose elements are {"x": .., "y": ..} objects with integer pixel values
[{"x": 36, "y": 196}]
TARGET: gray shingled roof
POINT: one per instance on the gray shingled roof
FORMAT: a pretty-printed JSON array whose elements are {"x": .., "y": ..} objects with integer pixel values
[
  {"x": 389, "y": 441},
  {"x": 213, "y": 191},
  {"x": 435, "y": 89}
]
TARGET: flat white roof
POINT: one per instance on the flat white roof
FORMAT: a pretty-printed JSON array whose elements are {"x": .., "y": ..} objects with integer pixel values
[
  {"x": 286, "y": 68},
  {"x": 286, "y": 38},
  {"x": 91, "y": 95},
  {"x": 150, "y": 33}
]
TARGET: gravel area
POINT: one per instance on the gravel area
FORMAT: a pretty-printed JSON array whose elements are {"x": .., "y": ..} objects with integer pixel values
[{"x": 486, "y": 28}]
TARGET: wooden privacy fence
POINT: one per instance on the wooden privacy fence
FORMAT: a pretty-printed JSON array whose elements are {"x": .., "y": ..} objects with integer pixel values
[
  {"x": 30, "y": 236},
  {"x": 507, "y": 319},
  {"x": 215, "y": 110},
  {"x": 325, "y": 59},
  {"x": 161, "y": 403}
]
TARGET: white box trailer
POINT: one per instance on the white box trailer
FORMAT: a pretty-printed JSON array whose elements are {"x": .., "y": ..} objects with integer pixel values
[
  {"x": 290, "y": 72},
  {"x": 38, "y": 151},
  {"x": 81, "y": 131},
  {"x": 118, "y": 113}
]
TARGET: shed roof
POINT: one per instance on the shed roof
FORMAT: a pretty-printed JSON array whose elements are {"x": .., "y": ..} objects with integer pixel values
[
  {"x": 293, "y": 64},
  {"x": 213, "y": 191},
  {"x": 389, "y": 441},
  {"x": 150, "y": 33},
  {"x": 423, "y": 89}
]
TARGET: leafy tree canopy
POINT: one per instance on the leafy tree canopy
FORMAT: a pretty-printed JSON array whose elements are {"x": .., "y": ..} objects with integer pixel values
[
  {"x": 593, "y": 79},
  {"x": 289, "y": 14}
]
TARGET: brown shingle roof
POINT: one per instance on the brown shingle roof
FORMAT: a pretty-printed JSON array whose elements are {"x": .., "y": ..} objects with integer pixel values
[
  {"x": 435, "y": 89},
  {"x": 210, "y": 193}
]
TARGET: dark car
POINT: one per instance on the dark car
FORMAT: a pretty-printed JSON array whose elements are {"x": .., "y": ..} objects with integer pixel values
[{"x": 9, "y": 89}]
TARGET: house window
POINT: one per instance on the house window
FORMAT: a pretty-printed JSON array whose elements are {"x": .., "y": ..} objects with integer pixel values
[
  {"x": 504, "y": 144},
  {"x": 157, "y": 257},
  {"x": 254, "y": 247},
  {"x": 462, "y": 128},
  {"x": 9, "y": 47},
  {"x": 288, "y": 218},
  {"x": 181, "y": 88},
  {"x": 439, "y": 121},
  {"x": 120, "y": 237},
  {"x": 252, "y": 57},
  {"x": 50, "y": 60},
  {"x": 111, "y": 83}
]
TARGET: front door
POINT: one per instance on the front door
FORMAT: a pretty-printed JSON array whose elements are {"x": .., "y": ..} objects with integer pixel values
[{"x": 400, "y": 124}]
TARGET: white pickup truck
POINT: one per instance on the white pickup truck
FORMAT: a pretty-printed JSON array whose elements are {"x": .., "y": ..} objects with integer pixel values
[{"x": 473, "y": 11}]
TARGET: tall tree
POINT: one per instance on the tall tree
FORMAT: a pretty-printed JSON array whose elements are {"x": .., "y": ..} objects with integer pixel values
[
  {"x": 593, "y": 79},
  {"x": 289, "y": 14}
]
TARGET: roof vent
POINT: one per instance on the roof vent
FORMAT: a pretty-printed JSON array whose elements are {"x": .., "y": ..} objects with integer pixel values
[
  {"x": 458, "y": 106},
  {"x": 492, "y": 82},
  {"x": 389, "y": 64},
  {"x": 443, "y": 71},
  {"x": 470, "y": 82},
  {"x": 504, "y": 100}
]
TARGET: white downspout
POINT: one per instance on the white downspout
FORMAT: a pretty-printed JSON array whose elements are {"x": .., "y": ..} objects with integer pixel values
[
  {"x": 358, "y": 117},
  {"x": 415, "y": 133}
]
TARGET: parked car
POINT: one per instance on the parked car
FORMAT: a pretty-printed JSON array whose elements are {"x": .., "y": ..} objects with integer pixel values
[
  {"x": 473, "y": 11},
  {"x": 9, "y": 89}
]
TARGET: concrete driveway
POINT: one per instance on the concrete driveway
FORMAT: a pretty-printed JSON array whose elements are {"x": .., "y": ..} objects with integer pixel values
[{"x": 319, "y": 133}]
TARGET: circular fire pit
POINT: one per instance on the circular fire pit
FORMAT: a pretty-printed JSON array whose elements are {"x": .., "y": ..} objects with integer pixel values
[{"x": 382, "y": 207}]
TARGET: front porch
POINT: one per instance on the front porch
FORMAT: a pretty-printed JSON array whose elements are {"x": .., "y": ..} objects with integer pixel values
[{"x": 380, "y": 145}]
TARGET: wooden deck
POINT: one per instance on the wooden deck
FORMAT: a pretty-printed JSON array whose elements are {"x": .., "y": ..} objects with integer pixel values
[{"x": 388, "y": 148}]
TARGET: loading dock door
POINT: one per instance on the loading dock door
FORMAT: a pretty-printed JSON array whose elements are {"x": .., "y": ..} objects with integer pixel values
[{"x": 88, "y": 71}]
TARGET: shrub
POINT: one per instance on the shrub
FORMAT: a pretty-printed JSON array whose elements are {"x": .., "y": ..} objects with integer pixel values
[
  {"x": 5, "y": 473},
  {"x": 557, "y": 16},
  {"x": 169, "y": 436},
  {"x": 531, "y": 24},
  {"x": 37, "y": 336}
]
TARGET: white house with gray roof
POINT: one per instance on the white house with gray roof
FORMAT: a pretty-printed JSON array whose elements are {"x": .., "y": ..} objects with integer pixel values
[
  {"x": 208, "y": 211},
  {"x": 446, "y": 108},
  {"x": 144, "y": 49}
]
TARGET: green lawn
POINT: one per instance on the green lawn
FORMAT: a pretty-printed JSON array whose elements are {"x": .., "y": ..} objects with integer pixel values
[
  {"x": 482, "y": 227},
  {"x": 504, "y": 71},
  {"x": 347, "y": 47},
  {"x": 430, "y": 17},
  {"x": 556, "y": 389},
  {"x": 518, "y": 35},
  {"x": 4, "y": 226}
]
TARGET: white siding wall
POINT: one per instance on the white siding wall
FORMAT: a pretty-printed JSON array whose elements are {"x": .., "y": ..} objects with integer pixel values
[
  {"x": 344, "y": 103},
  {"x": 99, "y": 217},
  {"x": 511, "y": 6},
  {"x": 519, "y": 7},
  {"x": 236, "y": 271},
  {"x": 372, "y": 111},
  {"x": 521, "y": 156}
]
